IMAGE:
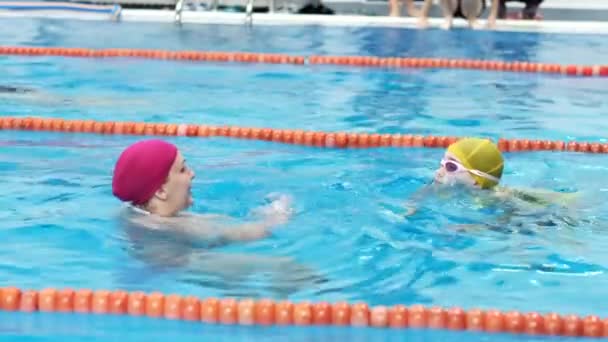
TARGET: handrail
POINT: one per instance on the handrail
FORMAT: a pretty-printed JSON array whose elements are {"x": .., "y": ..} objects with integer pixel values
[
  {"x": 179, "y": 7},
  {"x": 249, "y": 12}
]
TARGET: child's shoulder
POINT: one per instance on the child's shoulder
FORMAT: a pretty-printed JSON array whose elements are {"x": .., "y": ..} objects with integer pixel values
[{"x": 536, "y": 196}]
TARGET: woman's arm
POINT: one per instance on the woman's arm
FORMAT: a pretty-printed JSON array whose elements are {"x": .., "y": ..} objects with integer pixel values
[{"x": 220, "y": 229}]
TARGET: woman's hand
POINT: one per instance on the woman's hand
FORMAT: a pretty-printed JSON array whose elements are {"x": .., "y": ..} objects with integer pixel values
[{"x": 278, "y": 211}]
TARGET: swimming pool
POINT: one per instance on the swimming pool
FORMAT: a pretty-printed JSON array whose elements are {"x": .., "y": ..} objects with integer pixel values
[{"x": 348, "y": 231}]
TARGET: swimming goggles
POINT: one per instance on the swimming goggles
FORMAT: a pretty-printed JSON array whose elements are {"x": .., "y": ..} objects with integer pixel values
[{"x": 453, "y": 166}]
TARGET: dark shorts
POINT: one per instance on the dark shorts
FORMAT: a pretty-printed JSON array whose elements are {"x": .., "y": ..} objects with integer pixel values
[
  {"x": 458, "y": 12},
  {"x": 529, "y": 11}
]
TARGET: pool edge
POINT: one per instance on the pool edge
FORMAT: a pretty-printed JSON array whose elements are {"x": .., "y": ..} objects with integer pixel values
[{"x": 279, "y": 19}]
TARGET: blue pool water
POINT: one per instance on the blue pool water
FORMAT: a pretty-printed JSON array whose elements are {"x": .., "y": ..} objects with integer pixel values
[{"x": 348, "y": 237}]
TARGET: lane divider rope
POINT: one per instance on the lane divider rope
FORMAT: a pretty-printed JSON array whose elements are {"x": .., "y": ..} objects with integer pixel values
[
  {"x": 285, "y": 136},
  {"x": 270, "y": 58},
  {"x": 266, "y": 312}
]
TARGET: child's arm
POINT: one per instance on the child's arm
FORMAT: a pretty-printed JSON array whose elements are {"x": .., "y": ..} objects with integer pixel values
[
  {"x": 412, "y": 202},
  {"x": 493, "y": 14}
]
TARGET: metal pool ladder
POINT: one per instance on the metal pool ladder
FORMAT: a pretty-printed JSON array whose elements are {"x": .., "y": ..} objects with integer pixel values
[
  {"x": 249, "y": 13},
  {"x": 179, "y": 7}
]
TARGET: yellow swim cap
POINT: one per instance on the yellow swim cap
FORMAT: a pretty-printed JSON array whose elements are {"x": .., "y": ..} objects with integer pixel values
[{"x": 479, "y": 154}]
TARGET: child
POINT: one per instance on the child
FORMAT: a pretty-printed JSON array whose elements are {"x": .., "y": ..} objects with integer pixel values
[
  {"x": 475, "y": 163},
  {"x": 471, "y": 161}
]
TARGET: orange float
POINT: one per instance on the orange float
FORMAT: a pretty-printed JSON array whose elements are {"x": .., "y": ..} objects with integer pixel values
[
  {"x": 266, "y": 312},
  {"x": 358, "y": 61},
  {"x": 285, "y": 136}
]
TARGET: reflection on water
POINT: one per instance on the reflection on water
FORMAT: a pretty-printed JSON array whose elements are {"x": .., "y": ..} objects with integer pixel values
[
  {"x": 25, "y": 95},
  {"x": 349, "y": 240},
  {"x": 232, "y": 274}
]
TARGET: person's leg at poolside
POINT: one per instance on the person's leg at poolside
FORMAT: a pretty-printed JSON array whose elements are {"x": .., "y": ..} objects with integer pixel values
[
  {"x": 423, "y": 13},
  {"x": 495, "y": 9},
  {"x": 412, "y": 11},
  {"x": 449, "y": 7},
  {"x": 395, "y": 8}
]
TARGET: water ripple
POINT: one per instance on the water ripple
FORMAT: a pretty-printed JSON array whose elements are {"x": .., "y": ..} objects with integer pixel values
[{"x": 349, "y": 239}]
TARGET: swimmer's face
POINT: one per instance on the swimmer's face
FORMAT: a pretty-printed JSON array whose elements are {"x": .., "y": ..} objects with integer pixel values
[
  {"x": 451, "y": 172},
  {"x": 176, "y": 192}
]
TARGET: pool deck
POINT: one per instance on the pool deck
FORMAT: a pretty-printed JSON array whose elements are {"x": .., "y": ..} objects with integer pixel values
[
  {"x": 562, "y": 10},
  {"x": 572, "y": 25}
]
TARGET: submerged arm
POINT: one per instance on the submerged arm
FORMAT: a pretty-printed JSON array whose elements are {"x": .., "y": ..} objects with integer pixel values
[{"x": 412, "y": 202}]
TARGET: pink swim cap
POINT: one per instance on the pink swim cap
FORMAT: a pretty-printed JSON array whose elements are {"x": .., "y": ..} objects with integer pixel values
[{"x": 142, "y": 169}]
